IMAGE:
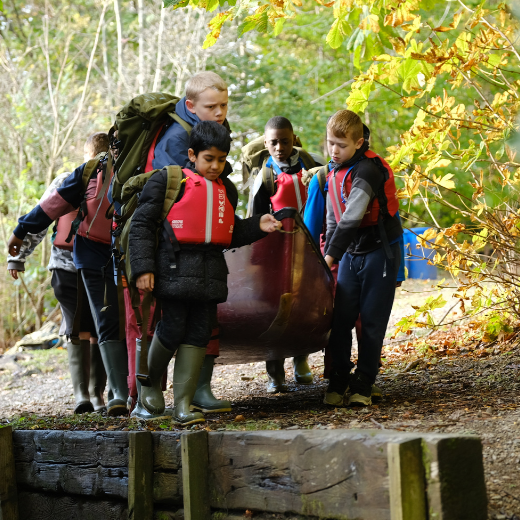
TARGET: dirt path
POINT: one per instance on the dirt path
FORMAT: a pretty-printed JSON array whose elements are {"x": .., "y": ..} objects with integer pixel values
[{"x": 462, "y": 393}]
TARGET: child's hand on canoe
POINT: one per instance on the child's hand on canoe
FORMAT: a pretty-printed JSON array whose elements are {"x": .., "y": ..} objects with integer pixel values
[{"x": 268, "y": 223}]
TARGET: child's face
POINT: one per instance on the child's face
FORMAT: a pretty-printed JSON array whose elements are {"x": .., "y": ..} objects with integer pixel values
[
  {"x": 211, "y": 105},
  {"x": 209, "y": 163},
  {"x": 280, "y": 143},
  {"x": 341, "y": 149}
]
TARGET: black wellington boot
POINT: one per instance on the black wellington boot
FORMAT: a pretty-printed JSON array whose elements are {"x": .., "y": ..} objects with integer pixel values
[
  {"x": 79, "y": 367},
  {"x": 275, "y": 376},
  {"x": 98, "y": 377},
  {"x": 140, "y": 411},
  {"x": 186, "y": 373},
  {"x": 159, "y": 356},
  {"x": 115, "y": 359},
  {"x": 204, "y": 400}
]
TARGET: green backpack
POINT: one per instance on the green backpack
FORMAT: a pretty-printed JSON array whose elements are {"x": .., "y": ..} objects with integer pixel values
[
  {"x": 130, "y": 196},
  {"x": 137, "y": 125}
]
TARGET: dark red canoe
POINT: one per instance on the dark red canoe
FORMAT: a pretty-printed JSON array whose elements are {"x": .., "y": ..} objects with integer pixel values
[{"x": 280, "y": 297}]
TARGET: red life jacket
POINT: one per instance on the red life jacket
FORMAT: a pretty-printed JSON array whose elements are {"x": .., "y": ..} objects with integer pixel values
[
  {"x": 340, "y": 185},
  {"x": 290, "y": 193},
  {"x": 63, "y": 229},
  {"x": 204, "y": 214},
  {"x": 95, "y": 226}
]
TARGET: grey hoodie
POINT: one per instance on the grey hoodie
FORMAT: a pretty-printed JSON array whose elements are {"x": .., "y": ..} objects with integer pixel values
[{"x": 60, "y": 258}]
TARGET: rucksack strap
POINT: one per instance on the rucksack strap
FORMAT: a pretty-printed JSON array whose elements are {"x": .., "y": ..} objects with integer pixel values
[
  {"x": 268, "y": 178},
  {"x": 307, "y": 159},
  {"x": 142, "y": 373},
  {"x": 322, "y": 178},
  {"x": 174, "y": 180},
  {"x": 181, "y": 121}
]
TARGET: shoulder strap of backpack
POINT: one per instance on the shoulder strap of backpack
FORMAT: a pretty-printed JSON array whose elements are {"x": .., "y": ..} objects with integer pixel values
[
  {"x": 181, "y": 121},
  {"x": 268, "y": 177},
  {"x": 322, "y": 178},
  {"x": 173, "y": 187},
  {"x": 306, "y": 158},
  {"x": 91, "y": 166}
]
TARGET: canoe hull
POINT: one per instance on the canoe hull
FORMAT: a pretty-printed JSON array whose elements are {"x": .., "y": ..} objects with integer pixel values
[{"x": 280, "y": 297}]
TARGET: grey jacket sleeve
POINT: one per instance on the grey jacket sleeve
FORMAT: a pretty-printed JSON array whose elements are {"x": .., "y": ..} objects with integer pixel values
[
  {"x": 29, "y": 244},
  {"x": 364, "y": 186},
  {"x": 32, "y": 240}
]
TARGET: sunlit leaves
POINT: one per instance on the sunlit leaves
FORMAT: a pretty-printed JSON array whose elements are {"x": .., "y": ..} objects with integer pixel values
[
  {"x": 358, "y": 99},
  {"x": 337, "y": 33}
]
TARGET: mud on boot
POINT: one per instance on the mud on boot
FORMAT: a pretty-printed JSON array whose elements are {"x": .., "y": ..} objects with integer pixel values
[
  {"x": 140, "y": 411},
  {"x": 302, "y": 371},
  {"x": 361, "y": 390},
  {"x": 186, "y": 373},
  {"x": 204, "y": 400},
  {"x": 337, "y": 389},
  {"x": 275, "y": 376}
]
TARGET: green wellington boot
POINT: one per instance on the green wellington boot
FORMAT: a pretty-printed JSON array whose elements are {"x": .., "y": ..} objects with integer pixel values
[
  {"x": 302, "y": 371},
  {"x": 140, "y": 411},
  {"x": 186, "y": 373},
  {"x": 275, "y": 376},
  {"x": 204, "y": 400},
  {"x": 79, "y": 367},
  {"x": 152, "y": 397},
  {"x": 98, "y": 377},
  {"x": 115, "y": 359}
]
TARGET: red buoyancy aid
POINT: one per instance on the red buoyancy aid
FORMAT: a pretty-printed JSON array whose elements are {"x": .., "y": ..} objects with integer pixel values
[
  {"x": 95, "y": 226},
  {"x": 63, "y": 229},
  {"x": 290, "y": 193},
  {"x": 204, "y": 214},
  {"x": 339, "y": 190}
]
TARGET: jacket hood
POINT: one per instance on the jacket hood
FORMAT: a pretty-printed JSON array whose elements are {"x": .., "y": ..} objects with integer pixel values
[
  {"x": 366, "y": 133},
  {"x": 182, "y": 111}
]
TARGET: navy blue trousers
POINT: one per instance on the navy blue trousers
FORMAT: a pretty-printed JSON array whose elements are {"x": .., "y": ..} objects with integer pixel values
[
  {"x": 188, "y": 322},
  {"x": 366, "y": 288}
]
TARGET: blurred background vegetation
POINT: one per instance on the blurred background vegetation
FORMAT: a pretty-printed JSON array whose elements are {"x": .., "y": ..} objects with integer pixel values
[{"x": 67, "y": 68}]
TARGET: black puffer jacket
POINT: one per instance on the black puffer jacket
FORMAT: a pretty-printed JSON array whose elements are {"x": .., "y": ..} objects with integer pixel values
[{"x": 201, "y": 272}]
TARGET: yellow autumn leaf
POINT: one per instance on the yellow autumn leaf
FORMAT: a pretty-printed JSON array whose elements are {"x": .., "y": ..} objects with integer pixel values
[
  {"x": 427, "y": 237},
  {"x": 446, "y": 182}
]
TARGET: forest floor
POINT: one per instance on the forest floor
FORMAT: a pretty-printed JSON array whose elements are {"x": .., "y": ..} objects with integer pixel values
[{"x": 443, "y": 383}]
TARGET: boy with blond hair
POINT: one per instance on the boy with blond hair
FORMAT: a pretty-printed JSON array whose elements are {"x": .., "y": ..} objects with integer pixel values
[
  {"x": 363, "y": 231},
  {"x": 206, "y": 100}
]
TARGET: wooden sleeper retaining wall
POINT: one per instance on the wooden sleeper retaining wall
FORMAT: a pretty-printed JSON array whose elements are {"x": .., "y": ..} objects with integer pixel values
[{"x": 332, "y": 474}]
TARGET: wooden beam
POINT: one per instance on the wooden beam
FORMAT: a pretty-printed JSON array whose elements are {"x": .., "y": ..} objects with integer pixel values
[
  {"x": 8, "y": 491},
  {"x": 407, "y": 480},
  {"x": 194, "y": 447},
  {"x": 140, "y": 476},
  {"x": 455, "y": 477}
]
